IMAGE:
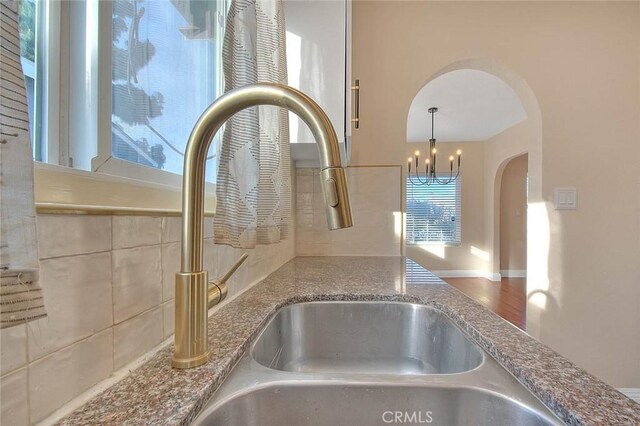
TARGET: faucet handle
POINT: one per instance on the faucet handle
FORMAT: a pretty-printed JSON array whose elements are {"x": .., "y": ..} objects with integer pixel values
[{"x": 218, "y": 289}]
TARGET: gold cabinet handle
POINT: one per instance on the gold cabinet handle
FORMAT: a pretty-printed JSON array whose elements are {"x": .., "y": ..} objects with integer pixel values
[{"x": 356, "y": 104}]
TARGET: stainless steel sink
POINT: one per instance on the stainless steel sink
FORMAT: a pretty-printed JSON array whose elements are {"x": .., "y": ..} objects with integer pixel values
[
  {"x": 364, "y": 337},
  {"x": 331, "y": 404},
  {"x": 368, "y": 363}
]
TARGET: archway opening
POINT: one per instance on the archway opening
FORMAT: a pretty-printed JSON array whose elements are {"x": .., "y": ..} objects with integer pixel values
[
  {"x": 479, "y": 253},
  {"x": 513, "y": 218}
]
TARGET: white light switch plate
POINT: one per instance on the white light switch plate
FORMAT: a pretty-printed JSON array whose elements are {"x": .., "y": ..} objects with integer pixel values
[{"x": 566, "y": 198}]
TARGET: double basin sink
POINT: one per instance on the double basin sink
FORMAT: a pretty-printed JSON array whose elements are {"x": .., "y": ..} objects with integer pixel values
[{"x": 369, "y": 363}]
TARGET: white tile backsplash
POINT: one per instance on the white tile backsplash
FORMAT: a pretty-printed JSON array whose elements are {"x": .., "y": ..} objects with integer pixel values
[
  {"x": 168, "y": 318},
  {"x": 136, "y": 336},
  {"x": 171, "y": 229},
  {"x": 304, "y": 202},
  {"x": 137, "y": 281},
  {"x": 375, "y": 196},
  {"x": 108, "y": 285},
  {"x": 170, "y": 265},
  {"x": 374, "y": 218},
  {"x": 304, "y": 184},
  {"x": 311, "y": 248},
  {"x": 14, "y": 409},
  {"x": 135, "y": 231},
  {"x": 365, "y": 242},
  {"x": 61, "y": 376},
  {"x": 77, "y": 294},
  {"x": 304, "y": 221},
  {"x": 13, "y": 348},
  {"x": 66, "y": 235},
  {"x": 212, "y": 254},
  {"x": 305, "y": 171}
]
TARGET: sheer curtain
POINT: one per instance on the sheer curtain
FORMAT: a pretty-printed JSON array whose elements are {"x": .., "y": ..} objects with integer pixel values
[
  {"x": 20, "y": 295},
  {"x": 254, "y": 182}
]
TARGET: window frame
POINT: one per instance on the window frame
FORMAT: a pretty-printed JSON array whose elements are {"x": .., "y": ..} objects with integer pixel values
[
  {"x": 41, "y": 68},
  {"x": 89, "y": 102},
  {"x": 458, "y": 243}
]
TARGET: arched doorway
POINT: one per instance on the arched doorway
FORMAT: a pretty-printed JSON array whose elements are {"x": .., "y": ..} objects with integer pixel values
[
  {"x": 525, "y": 137},
  {"x": 513, "y": 218}
]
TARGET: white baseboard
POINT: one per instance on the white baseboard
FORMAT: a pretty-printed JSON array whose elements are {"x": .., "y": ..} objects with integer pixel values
[
  {"x": 493, "y": 277},
  {"x": 633, "y": 393},
  {"x": 514, "y": 273},
  {"x": 467, "y": 273}
]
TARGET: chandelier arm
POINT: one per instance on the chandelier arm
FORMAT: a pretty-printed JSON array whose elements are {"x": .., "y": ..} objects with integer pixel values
[
  {"x": 420, "y": 180},
  {"x": 417, "y": 176},
  {"x": 457, "y": 174},
  {"x": 447, "y": 181},
  {"x": 409, "y": 176},
  {"x": 441, "y": 181}
]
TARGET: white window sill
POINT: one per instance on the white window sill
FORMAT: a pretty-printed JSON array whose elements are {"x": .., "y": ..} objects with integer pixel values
[
  {"x": 62, "y": 190},
  {"x": 432, "y": 244}
]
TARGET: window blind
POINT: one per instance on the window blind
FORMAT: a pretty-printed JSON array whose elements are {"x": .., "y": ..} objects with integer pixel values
[{"x": 433, "y": 213}]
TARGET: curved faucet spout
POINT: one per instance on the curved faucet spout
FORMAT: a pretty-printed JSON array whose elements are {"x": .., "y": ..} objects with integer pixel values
[
  {"x": 333, "y": 181},
  {"x": 191, "y": 282}
]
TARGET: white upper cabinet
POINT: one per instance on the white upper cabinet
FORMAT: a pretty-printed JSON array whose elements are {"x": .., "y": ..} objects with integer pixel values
[{"x": 317, "y": 64}]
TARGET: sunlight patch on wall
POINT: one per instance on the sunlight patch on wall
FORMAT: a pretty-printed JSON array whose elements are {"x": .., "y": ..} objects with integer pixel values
[
  {"x": 434, "y": 249},
  {"x": 398, "y": 222},
  {"x": 481, "y": 254},
  {"x": 538, "y": 251}
]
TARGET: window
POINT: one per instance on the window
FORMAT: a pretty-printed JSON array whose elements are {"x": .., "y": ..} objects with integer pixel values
[
  {"x": 164, "y": 58},
  {"x": 433, "y": 213},
  {"x": 30, "y": 14},
  {"x": 165, "y": 72}
]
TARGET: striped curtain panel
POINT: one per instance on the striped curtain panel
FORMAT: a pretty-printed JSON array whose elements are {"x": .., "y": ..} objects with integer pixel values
[
  {"x": 20, "y": 295},
  {"x": 254, "y": 182}
]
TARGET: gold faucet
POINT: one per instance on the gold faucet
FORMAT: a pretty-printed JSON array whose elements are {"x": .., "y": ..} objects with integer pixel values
[{"x": 192, "y": 288}]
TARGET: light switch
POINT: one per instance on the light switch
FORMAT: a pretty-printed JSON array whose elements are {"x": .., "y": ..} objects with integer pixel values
[{"x": 566, "y": 198}]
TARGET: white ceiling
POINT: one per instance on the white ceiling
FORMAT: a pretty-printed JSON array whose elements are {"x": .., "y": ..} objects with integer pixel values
[{"x": 472, "y": 106}]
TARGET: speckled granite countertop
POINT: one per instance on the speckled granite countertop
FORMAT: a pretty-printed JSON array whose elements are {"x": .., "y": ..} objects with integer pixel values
[{"x": 157, "y": 394}]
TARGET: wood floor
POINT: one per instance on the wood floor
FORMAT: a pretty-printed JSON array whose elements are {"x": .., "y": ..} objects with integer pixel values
[{"x": 506, "y": 298}]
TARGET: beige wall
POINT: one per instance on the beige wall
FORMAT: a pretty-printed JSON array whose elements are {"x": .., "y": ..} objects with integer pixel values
[
  {"x": 513, "y": 216},
  {"x": 582, "y": 61},
  {"x": 469, "y": 257},
  {"x": 108, "y": 285}
]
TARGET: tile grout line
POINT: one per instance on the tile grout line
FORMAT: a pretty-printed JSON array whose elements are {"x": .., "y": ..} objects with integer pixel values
[
  {"x": 75, "y": 255},
  {"x": 113, "y": 311}
]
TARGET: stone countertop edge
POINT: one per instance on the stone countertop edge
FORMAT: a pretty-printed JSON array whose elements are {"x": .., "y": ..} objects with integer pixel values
[{"x": 155, "y": 393}]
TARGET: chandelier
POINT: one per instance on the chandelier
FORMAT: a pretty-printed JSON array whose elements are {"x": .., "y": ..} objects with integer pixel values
[{"x": 430, "y": 175}]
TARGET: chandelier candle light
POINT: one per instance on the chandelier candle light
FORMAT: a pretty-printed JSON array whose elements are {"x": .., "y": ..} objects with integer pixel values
[{"x": 430, "y": 162}]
